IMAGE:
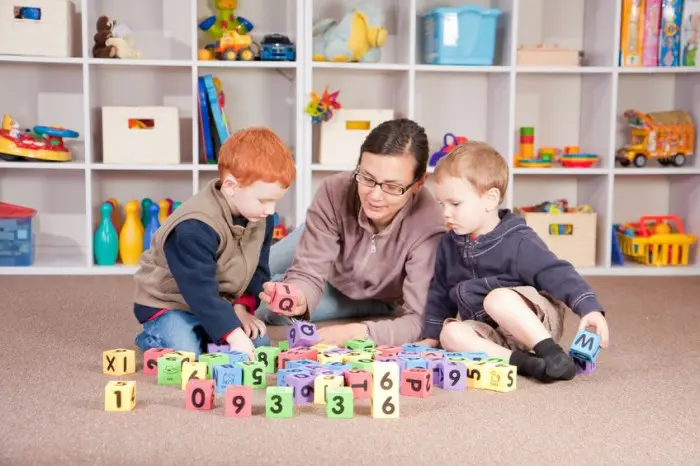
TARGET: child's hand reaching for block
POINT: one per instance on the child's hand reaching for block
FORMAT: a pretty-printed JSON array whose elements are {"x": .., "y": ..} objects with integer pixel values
[{"x": 283, "y": 298}]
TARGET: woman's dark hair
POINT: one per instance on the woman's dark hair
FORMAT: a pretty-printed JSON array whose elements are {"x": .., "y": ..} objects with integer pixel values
[{"x": 391, "y": 138}]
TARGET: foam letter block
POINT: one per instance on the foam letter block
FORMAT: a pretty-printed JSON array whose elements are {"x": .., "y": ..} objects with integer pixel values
[
  {"x": 283, "y": 345},
  {"x": 338, "y": 368},
  {"x": 477, "y": 371},
  {"x": 365, "y": 364},
  {"x": 285, "y": 297},
  {"x": 417, "y": 382},
  {"x": 386, "y": 358},
  {"x": 427, "y": 355},
  {"x": 199, "y": 394},
  {"x": 477, "y": 356},
  {"x": 341, "y": 404},
  {"x": 214, "y": 359},
  {"x": 356, "y": 356},
  {"x": 236, "y": 356},
  {"x": 283, "y": 373},
  {"x": 302, "y": 385},
  {"x": 583, "y": 367},
  {"x": 360, "y": 381},
  {"x": 291, "y": 355},
  {"x": 307, "y": 364},
  {"x": 214, "y": 348},
  {"x": 329, "y": 357},
  {"x": 150, "y": 359},
  {"x": 268, "y": 356},
  {"x": 586, "y": 346},
  {"x": 387, "y": 350},
  {"x": 454, "y": 375},
  {"x": 495, "y": 361},
  {"x": 254, "y": 374},
  {"x": 193, "y": 370},
  {"x": 120, "y": 396},
  {"x": 118, "y": 361},
  {"x": 501, "y": 378},
  {"x": 186, "y": 355},
  {"x": 360, "y": 344},
  {"x": 302, "y": 334},
  {"x": 239, "y": 401},
  {"x": 322, "y": 347},
  {"x": 170, "y": 369},
  {"x": 279, "y": 402},
  {"x": 415, "y": 348},
  {"x": 226, "y": 375},
  {"x": 322, "y": 383}
]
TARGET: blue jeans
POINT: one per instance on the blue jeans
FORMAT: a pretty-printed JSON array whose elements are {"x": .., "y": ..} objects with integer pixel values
[
  {"x": 180, "y": 331},
  {"x": 333, "y": 304}
]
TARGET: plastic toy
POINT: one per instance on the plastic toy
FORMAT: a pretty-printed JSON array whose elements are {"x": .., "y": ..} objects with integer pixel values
[
  {"x": 225, "y": 20},
  {"x": 44, "y": 143},
  {"x": 277, "y": 47},
  {"x": 106, "y": 239},
  {"x": 449, "y": 142},
  {"x": 358, "y": 37},
  {"x": 321, "y": 108},
  {"x": 526, "y": 158},
  {"x": 669, "y": 137},
  {"x": 279, "y": 231},
  {"x": 16, "y": 235},
  {"x": 654, "y": 241}
]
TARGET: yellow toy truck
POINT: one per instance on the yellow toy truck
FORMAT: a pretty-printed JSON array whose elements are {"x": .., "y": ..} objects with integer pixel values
[{"x": 668, "y": 137}]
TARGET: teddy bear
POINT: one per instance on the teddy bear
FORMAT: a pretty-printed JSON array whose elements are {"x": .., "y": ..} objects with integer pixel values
[
  {"x": 104, "y": 33},
  {"x": 125, "y": 47}
]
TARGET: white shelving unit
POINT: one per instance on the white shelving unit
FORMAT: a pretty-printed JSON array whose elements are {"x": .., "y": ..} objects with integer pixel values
[{"x": 567, "y": 106}]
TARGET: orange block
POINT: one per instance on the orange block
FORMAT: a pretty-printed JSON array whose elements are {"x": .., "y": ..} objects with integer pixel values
[
  {"x": 200, "y": 394},
  {"x": 239, "y": 401}
]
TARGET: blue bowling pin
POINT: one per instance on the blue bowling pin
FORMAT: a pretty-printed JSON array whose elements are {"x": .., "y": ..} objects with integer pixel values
[
  {"x": 152, "y": 226},
  {"x": 106, "y": 240}
]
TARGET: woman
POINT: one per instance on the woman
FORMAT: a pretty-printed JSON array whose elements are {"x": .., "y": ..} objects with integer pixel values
[{"x": 368, "y": 246}]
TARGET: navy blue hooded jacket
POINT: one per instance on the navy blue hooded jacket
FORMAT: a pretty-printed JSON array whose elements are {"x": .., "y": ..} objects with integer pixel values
[{"x": 466, "y": 270}]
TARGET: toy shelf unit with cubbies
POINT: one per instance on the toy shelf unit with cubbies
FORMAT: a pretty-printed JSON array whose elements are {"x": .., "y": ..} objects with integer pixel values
[{"x": 127, "y": 103}]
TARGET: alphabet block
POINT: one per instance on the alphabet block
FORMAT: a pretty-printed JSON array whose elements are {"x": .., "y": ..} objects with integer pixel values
[
  {"x": 454, "y": 375},
  {"x": 254, "y": 374},
  {"x": 501, "y": 378},
  {"x": 283, "y": 345},
  {"x": 214, "y": 359},
  {"x": 495, "y": 361},
  {"x": 417, "y": 382},
  {"x": 457, "y": 355},
  {"x": 302, "y": 334},
  {"x": 302, "y": 387},
  {"x": 236, "y": 356},
  {"x": 120, "y": 361},
  {"x": 150, "y": 359},
  {"x": 268, "y": 355},
  {"x": 192, "y": 370},
  {"x": 385, "y": 379},
  {"x": 477, "y": 356},
  {"x": 226, "y": 375},
  {"x": 120, "y": 396},
  {"x": 432, "y": 355},
  {"x": 386, "y": 358},
  {"x": 360, "y": 382},
  {"x": 239, "y": 401},
  {"x": 186, "y": 355},
  {"x": 285, "y": 357},
  {"x": 341, "y": 404},
  {"x": 214, "y": 348},
  {"x": 356, "y": 356},
  {"x": 279, "y": 402},
  {"x": 330, "y": 357},
  {"x": 388, "y": 350},
  {"x": 415, "y": 348},
  {"x": 583, "y": 367},
  {"x": 322, "y": 383},
  {"x": 283, "y": 373},
  {"x": 365, "y": 364},
  {"x": 322, "y": 347},
  {"x": 476, "y": 373},
  {"x": 586, "y": 346},
  {"x": 199, "y": 394},
  {"x": 359, "y": 344},
  {"x": 338, "y": 368},
  {"x": 170, "y": 369},
  {"x": 306, "y": 364},
  {"x": 411, "y": 362},
  {"x": 285, "y": 298}
]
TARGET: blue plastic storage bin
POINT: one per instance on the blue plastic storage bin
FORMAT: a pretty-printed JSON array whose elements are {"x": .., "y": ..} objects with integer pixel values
[
  {"x": 463, "y": 35},
  {"x": 16, "y": 235}
]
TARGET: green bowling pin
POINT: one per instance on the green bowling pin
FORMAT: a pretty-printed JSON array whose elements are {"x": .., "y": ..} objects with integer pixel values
[{"x": 106, "y": 240}]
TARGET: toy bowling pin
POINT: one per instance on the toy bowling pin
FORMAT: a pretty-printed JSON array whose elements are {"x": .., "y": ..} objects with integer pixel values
[
  {"x": 152, "y": 226},
  {"x": 106, "y": 242},
  {"x": 115, "y": 213},
  {"x": 176, "y": 205},
  {"x": 145, "y": 212},
  {"x": 131, "y": 235},
  {"x": 170, "y": 202},
  {"x": 164, "y": 206}
]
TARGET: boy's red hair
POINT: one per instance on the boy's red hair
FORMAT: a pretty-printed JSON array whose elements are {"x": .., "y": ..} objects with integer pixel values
[{"x": 257, "y": 154}]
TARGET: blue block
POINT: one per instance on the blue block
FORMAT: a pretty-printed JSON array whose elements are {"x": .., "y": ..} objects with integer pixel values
[
  {"x": 225, "y": 375},
  {"x": 338, "y": 367},
  {"x": 586, "y": 346},
  {"x": 282, "y": 373},
  {"x": 415, "y": 347},
  {"x": 301, "y": 363},
  {"x": 236, "y": 356}
]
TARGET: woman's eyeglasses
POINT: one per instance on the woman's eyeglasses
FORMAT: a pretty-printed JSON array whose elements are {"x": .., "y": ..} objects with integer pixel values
[{"x": 389, "y": 188}]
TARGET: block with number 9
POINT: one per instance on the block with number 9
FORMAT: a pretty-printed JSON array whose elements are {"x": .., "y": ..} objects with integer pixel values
[
  {"x": 239, "y": 401},
  {"x": 302, "y": 334}
]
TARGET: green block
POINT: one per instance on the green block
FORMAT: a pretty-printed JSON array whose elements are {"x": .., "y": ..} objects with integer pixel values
[
  {"x": 355, "y": 356},
  {"x": 279, "y": 402},
  {"x": 268, "y": 356},
  {"x": 254, "y": 374},
  {"x": 363, "y": 364},
  {"x": 340, "y": 403},
  {"x": 283, "y": 345},
  {"x": 214, "y": 359},
  {"x": 496, "y": 361},
  {"x": 170, "y": 369},
  {"x": 360, "y": 344}
]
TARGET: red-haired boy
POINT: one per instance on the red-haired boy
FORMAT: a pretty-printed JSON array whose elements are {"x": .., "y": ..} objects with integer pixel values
[{"x": 199, "y": 282}]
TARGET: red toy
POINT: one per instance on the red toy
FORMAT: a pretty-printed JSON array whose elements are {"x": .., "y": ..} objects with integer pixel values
[
  {"x": 284, "y": 299},
  {"x": 446, "y": 148}
]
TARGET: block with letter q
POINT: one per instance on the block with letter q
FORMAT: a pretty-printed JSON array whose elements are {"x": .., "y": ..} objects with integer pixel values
[{"x": 285, "y": 298}]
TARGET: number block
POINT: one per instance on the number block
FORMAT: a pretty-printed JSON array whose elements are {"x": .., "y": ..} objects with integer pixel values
[
  {"x": 239, "y": 401},
  {"x": 457, "y": 355},
  {"x": 186, "y": 355},
  {"x": 385, "y": 406},
  {"x": 354, "y": 356},
  {"x": 360, "y": 344},
  {"x": 285, "y": 297},
  {"x": 120, "y": 396},
  {"x": 501, "y": 378},
  {"x": 226, "y": 375},
  {"x": 323, "y": 383},
  {"x": 283, "y": 345},
  {"x": 385, "y": 379},
  {"x": 119, "y": 361},
  {"x": 170, "y": 369},
  {"x": 254, "y": 374},
  {"x": 150, "y": 359},
  {"x": 360, "y": 382},
  {"x": 279, "y": 402},
  {"x": 236, "y": 356},
  {"x": 454, "y": 375},
  {"x": 291, "y": 355},
  {"x": 477, "y": 356},
  {"x": 417, "y": 382},
  {"x": 192, "y": 370},
  {"x": 415, "y": 348},
  {"x": 322, "y": 347},
  {"x": 386, "y": 359},
  {"x": 428, "y": 355},
  {"x": 388, "y": 350},
  {"x": 586, "y": 346},
  {"x": 341, "y": 404},
  {"x": 329, "y": 357},
  {"x": 410, "y": 362},
  {"x": 495, "y": 361},
  {"x": 212, "y": 360},
  {"x": 302, "y": 334},
  {"x": 583, "y": 367},
  {"x": 302, "y": 385},
  {"x": 364, "y": 364},
  {"x": 283, "y": 373},
  {"x": 214, "y": 348},
  {"x": 338, "y": 368},
  {"x": 476, "y": 373},
  {"x": 268, "y": 356},
  {"x": 308, "y": 364},
  {"x": 199, "y": 394}
]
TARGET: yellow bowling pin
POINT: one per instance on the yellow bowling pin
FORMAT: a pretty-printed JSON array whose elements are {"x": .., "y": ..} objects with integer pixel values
[
  {"x": 164, "y": 210},
  {"x": 131, "y": 235}
]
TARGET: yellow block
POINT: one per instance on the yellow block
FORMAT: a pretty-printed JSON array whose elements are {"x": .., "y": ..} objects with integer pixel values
[
  {"x": 477, "y": 371},
  {"x": 120, "y": 396},
  {"x": 186, "y": 355},
  {"x": 501, "y": 378},
  {"x": 193, "y": 370},
  {"x": 120, "y": 361},
  {"x": 324, "y": 382},
  {"x": 327, "y": 359},
  {"x": 321, "y": 347},
  {"x": 356, "y": 356}
]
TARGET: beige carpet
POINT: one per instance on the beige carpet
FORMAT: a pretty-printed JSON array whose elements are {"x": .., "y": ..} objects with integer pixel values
[{"x": 641, "y": 407}]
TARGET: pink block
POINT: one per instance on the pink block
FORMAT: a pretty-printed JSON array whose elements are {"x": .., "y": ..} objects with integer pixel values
[
  {"x": 387, "y": 350},
  {"x": 150, "y": 359},
  {"x": 239, "y": 401},
  {"x": 199, "y": 394},
  {"x": 284, "y": 298},
  {"x": 360, "y": 381},
  {"x": 417, "y": 382}
]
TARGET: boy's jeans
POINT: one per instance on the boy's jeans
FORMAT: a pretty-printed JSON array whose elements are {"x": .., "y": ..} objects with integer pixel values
[
  {"x": 333, "y": 304},
  {"x": 181, "y": 331}
]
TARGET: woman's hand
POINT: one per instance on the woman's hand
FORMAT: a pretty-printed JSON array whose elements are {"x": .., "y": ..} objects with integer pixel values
[
  {"x": 268, "y": 292},
  {"x": 339, "y": 334}
]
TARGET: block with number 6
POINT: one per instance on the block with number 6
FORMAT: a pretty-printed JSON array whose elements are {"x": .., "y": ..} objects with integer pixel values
[
  {"x": 193, "y": 370},
  {"x": 239, "y": 401},
  {"x": 340, "y": 403},
  {"x": 120, "y": 396},
  {"x": 279, "y": 402}
]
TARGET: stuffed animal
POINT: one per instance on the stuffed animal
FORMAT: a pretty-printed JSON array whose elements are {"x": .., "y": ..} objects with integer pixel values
[
  {"x": 104, "y": 32},
  {"x": 358, "y": 37},
  {"x": 125, "y": 47}
]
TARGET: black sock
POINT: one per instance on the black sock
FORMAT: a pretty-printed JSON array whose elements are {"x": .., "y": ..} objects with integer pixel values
[
  {"x": 530, "y": 365},
  {"x": 559, "y": 365}
]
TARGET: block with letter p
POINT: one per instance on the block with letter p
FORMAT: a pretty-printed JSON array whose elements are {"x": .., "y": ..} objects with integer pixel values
[
  {"x": 285, "y": 298},
  {"x": 417, "y": 382},
  {"x": 586, "y": 346}
]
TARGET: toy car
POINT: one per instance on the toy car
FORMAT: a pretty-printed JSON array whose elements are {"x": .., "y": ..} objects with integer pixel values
[{"x": 277, "y": 47}]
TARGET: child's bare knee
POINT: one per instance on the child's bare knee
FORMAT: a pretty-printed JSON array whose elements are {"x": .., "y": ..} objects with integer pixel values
[
  {"x": 455, "y": 334},
  {"x": 498, "y": 300}
]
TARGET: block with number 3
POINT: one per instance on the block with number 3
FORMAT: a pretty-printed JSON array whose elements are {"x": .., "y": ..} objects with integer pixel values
[
  {"x": 340, "y": 403},
  {"x": 279, "y": 402}
]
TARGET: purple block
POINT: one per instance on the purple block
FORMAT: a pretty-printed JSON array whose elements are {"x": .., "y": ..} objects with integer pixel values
[
  {"x": 214, "y": 348},
  {"x": 303, "y": 386},
  {"x": 434, "y": 366},
  {"x": 584, "y": 367},
  {"x": 283, "y": 373},
  {"x": 302, "y": 334},
  {"x": 454, "y": 375},
  {"x": 408, "y": 354}
]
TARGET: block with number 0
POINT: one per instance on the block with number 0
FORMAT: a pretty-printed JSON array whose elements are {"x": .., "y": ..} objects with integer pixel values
[
  {"x": 239, "y": 401},
  {"x": 268, "y": 356},
  {"x": 199, "y": 394},
  {"x": 120, "y": 396},
  {"x": 279, "y": 402},
  {"x": 340, "y": 403},
  {"x": 254, "y": 374}
]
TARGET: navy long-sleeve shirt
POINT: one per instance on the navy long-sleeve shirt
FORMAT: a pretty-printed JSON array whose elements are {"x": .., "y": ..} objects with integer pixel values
[
  {"x": 466, "y": 270},
  {"x": 190, "y": 251}
]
